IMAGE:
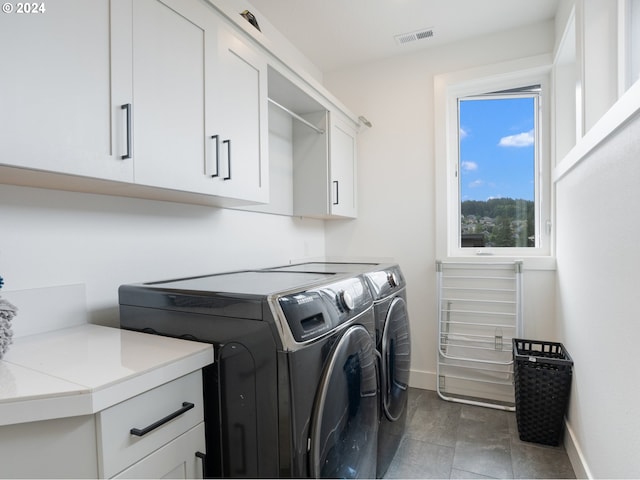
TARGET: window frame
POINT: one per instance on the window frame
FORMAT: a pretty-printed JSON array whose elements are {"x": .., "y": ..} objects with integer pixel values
[
  {"x": 533, "y": 92},
  {"x": 494, "y": 78}
]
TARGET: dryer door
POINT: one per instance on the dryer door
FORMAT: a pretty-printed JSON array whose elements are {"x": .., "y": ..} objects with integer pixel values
[
  {"x": 344, "y": 426},
  {"x": 396, "y": 359}
]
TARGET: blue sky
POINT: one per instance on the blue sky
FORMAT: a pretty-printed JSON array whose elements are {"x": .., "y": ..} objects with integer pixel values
[{"x": 497, "y": 149}]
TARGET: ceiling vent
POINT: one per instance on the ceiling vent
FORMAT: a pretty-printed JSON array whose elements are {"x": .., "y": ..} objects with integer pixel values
[{"x": 405, "y": 38}]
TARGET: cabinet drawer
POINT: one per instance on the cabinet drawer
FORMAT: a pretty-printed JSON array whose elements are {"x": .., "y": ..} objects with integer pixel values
[{"x": 119, "y": 448}]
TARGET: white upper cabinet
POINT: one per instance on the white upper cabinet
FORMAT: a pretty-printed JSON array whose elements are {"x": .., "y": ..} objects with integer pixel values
[
  {"x": 237, "y": 127},
  {"x": 323, "y": 150},
  {"x": 167, "y": 100},
  {"x": 149, "y": 93},
  {"x": 57, "y": 111},
  {"x": 342, "y": 165},
  {"x": 324, "y": 166},
  {"x": 198, "y": 103},
  {"x": 168, "y": 114}
]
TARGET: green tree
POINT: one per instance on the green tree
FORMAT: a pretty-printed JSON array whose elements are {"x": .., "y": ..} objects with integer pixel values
[{"x": 502, "y": 234}]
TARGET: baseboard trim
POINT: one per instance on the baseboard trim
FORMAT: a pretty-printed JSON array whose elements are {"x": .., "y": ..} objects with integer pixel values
[
  {"x": 427, "y": 381},
  {"x": 423, "y": 379},
  {"x": 574, "y": 452}
]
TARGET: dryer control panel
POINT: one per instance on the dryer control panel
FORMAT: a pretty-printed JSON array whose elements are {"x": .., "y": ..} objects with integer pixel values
[
  {"x": 315, "y": 312},
  {"x": 386, "y": 281}
]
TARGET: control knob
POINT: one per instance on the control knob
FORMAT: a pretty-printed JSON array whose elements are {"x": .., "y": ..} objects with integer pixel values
[
  {"x": 392, "y": 279},
  {"x": 345, "y": 301}
]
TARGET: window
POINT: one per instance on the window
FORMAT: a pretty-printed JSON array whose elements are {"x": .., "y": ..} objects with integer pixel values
[
  {"x": 492, "y": 161},
  {"x": 630, "y": 62},
  {"x": 497, "y": 161}
]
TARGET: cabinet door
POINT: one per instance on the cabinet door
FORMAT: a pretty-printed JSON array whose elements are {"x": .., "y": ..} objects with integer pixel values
[
  {"x": 170, "y": 53},
  {"x": 177, "y": 459},
  {"x": 324, "y": 179},
  {"x": 342, "y": 164},
  {"x": 56, "y": 108},
  {"x": 237, "y": 117},
  {"x": 57, "y": 448}
]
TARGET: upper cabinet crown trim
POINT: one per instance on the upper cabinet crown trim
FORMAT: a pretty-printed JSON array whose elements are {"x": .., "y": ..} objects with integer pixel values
[{"x": 281, "y": 50}]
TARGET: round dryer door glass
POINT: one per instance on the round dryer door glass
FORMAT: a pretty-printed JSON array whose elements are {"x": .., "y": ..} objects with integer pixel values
[
  {"x": 396, "y": 357},
  {"x": 345, "y": 420}
]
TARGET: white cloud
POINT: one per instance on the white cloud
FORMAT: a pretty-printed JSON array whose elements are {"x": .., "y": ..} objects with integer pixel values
[
  {"x": 476, "y": 184},
  {"x": 523, "y": 139},
  {"x": 468, "y": 166},
  {"x": 463, "y": 133}
]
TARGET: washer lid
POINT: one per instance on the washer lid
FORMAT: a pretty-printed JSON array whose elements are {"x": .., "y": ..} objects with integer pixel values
[
  {"x": 236, "y": 294},
  {"x": 260, "y": 283},
  {"x": 327, "y": 267}
]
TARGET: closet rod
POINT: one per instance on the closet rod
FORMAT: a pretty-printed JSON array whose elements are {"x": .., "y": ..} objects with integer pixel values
[{"x": 297, "y": 117}]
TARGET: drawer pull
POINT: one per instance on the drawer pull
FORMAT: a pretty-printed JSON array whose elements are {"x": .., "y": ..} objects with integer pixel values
[
  {"x": 127, "y": 107},
  {"x": 215, "y": 137},
  {"x": 140, "y": 432},
  {"x": 202, "y": 457},
  {"x": 228, "y": 142}
]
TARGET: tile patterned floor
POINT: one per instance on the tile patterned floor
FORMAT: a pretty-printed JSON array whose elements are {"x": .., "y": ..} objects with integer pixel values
[{"x": 451, "y": 440}]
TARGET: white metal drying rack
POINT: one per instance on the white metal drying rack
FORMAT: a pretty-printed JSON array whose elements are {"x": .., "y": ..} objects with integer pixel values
[{"x": 479, "y": 313}]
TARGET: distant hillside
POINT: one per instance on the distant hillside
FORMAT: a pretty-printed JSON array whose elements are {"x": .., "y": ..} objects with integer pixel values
[
  {"x": 499, "y": 207},
  {"x": 499, "y": 222}
]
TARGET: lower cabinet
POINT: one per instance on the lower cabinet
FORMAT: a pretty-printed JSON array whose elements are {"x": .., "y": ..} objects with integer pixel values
[
  {"x": 58, "y": 448},
  {"x": 157, "y": 434},
  {"x": 177, "y": 459},
  {"x": 132, "y": 431}
]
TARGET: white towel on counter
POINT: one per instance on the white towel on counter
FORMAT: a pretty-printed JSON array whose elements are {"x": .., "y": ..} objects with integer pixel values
[{"x": 7, "y": 312}]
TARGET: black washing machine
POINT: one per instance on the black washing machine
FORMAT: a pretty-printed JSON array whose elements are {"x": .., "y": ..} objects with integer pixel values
[
  {"x": 293, "y": 391},
  {"x": 393, "y": 343}
]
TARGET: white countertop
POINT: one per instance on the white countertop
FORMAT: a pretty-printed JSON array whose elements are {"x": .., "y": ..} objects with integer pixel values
[{"x": 85, "y": 369}]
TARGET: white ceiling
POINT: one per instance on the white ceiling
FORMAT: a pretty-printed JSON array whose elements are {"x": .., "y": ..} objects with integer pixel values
[{"x": 337, "y": 33}]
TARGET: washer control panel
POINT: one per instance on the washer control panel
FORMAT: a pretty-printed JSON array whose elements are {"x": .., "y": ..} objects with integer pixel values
[
  {"x": 345, "y": 301},
  {"x": 312, "y": 313}
]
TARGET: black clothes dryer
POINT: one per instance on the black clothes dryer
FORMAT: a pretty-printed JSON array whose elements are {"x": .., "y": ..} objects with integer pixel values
[
  {"x": 393, "y": 343},
  {"x": 293, "y": 391}
]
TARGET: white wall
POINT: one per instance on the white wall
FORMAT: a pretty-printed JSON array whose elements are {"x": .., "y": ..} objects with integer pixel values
[
  {"x": 598, "y": 207},
  {"x": 50, "y": 238},
  {"x": 268, "y": 35},
  {"x": 396, "y": 168}
]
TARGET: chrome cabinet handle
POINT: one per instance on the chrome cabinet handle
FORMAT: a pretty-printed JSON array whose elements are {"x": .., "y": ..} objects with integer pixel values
[
  {"x": 335, "y": 182},
  {"x": 139, "y": 432},
  {"x": 127, "y": 107},
  {"x": 228, "y": 142},
  {"x": 215, "y": 137}
]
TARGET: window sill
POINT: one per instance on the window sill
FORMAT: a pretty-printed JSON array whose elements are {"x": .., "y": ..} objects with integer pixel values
[{"x": 529, "y": 263}]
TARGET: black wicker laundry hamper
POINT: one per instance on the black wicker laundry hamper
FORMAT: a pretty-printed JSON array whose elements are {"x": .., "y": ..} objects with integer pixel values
[{"x": 542, "y": 380}]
